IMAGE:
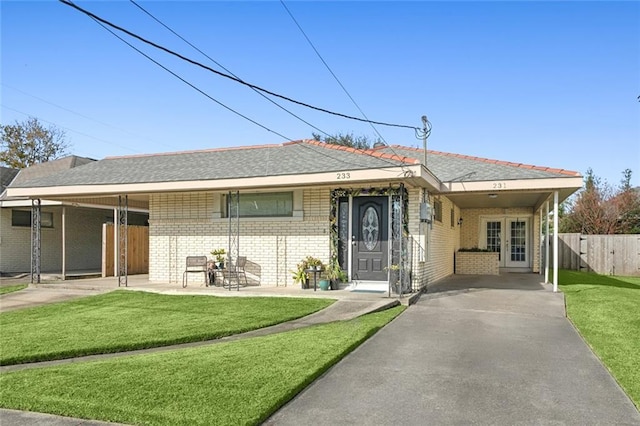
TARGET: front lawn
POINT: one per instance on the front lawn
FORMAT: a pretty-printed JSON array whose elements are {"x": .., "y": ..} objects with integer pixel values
[
  {"x": 126, "y": 320},
  {"x": 240, "y": 382},
  {"x": 606, "y": 311},
  {"x": 12, "y": 288}
]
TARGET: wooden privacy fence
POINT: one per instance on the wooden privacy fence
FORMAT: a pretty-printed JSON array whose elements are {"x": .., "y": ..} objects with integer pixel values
[
  {"x": 602, "y": 254},
  {"x": 137, "y": 250}
]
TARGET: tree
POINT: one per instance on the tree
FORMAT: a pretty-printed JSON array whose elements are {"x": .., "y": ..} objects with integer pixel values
[
  {"x": 29, "y": 142},
  {"x": 347, "y": 139},
  {"x": 627, "y": 203},
  {"x": 600, "y": 209}
]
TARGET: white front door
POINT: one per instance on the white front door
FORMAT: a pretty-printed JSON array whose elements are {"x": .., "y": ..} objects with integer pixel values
[
  {"x": 510, "y": 238},
  {"x": 517, "y": 243}
]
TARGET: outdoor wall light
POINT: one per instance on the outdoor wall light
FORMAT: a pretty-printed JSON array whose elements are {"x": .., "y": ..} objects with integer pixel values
[{"x": 460, "y": 222}]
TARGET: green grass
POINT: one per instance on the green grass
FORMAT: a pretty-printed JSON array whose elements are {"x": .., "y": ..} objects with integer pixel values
[
  {"x": 125, "y": 320},
  {"x": 12, "y": 288},
  {"x": 241, "y": 382},
  {"x": 606, "y": 311}
]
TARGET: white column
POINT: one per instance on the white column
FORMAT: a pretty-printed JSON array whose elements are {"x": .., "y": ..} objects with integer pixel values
[
  {"x": 64, "y": 243},
  {"x": 541, "y": 236},
  {"x": 555, "y": 241},
  {"x": 546, "y": 246}
]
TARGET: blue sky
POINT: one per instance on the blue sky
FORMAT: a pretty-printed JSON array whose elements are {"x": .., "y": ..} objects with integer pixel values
[{"x": 545, "y": 83}]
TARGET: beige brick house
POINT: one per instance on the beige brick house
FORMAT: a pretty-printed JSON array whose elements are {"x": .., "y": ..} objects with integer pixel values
[{"x": 373, "y": 212}]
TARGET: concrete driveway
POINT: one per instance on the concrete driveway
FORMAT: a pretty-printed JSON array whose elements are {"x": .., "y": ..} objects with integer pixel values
[{"x": 475, "y": 350}]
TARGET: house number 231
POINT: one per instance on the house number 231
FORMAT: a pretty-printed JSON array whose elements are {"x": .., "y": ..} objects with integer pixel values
[{"x": 343, "y": 175}]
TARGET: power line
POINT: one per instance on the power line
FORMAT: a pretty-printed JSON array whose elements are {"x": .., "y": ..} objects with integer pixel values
[
  {"x": 224, "y": 68},
  {"x": 331, "y": 71},
  {"x": 339, "y": 82},
  {"x": 186, "y": 82},
  {"x": 321, "y": 152},
  {"x": 305, "y": 146},
  {"x": 84, "y": 116},
  {"x": 72, "y": 130},
  {"x": 191, "y": 61}
]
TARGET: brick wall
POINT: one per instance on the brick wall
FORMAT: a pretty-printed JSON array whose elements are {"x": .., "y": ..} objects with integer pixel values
[
  {"x": 477, "y": 263},
  {"x": 439, "y": 240},
  {"x": 188, "y": 224}
]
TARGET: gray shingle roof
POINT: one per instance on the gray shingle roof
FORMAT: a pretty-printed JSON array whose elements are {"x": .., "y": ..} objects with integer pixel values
[
  {"x": 6, "y": 176},
  {"x": 295, "y": 158},
  {"x": 454, "y": 167},
  {"x": 49, "y": 169}
]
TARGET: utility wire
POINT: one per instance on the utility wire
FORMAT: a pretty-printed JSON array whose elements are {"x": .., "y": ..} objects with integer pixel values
[
  {"x": 84, "y": 116},
  {"x": 186, "y": 82},
  {"x": 224, "y": 68},
  {"x": 331, "y": 71},
  {"x": 340, "y": 83},
  {"x": 321, "y": 152},
  {"x": 72, "y": 130},
  {"x": 305, "y": 146},
  {"x": 184, "y": 58}
]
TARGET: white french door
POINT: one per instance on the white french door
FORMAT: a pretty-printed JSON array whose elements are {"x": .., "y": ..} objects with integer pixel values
[{"x": 510, "y": 238}]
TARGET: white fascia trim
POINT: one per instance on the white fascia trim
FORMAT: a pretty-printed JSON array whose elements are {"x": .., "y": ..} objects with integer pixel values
[
  {"x": 337, "y": 178},
  {"x": 27, "y": 203},
  {"x": 514, "y": 185},
  {"x": 433, "y": 183}
]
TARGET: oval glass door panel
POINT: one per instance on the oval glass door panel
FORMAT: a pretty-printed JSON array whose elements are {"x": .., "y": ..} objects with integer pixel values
[{"x": 370, "y": 228}]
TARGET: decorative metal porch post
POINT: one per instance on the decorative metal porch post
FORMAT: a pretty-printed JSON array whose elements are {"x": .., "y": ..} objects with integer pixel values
[
  {"x": 123, "y": 207},
  {"x": 399, "y": 274},
  {"x": 233, "y": 207}
]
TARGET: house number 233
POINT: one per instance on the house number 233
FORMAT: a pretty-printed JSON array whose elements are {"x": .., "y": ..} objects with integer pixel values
[{"x": 343, "y": 175}]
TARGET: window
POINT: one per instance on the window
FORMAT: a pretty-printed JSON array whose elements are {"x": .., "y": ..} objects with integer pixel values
[
  {"x": 437, "y": 210},
  {"x": 453, "y": 218},
  {"x": 23, "y": 218},
  {"x": 266, "y": 204}
]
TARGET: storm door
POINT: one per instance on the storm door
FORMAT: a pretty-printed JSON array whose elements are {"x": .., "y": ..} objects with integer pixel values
[{"x": 370, "y": 238}]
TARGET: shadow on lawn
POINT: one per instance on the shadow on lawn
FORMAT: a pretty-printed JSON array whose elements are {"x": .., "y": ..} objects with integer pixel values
[{"x": 569, "y": 278}]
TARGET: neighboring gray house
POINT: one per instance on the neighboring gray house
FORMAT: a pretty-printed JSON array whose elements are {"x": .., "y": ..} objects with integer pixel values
[
  {"x": 71, "y": 236},
  {"x": 374, "y": 212}
]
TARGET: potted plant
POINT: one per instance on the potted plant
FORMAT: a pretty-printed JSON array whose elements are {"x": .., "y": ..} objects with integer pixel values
[
  {"x": 219, "y": 255},
  {"x": 300, "y": 276},
  {"x": 324, "y": 284},
  {"x": 335, "y": 275},
  {"x": 301, "y": 273}
]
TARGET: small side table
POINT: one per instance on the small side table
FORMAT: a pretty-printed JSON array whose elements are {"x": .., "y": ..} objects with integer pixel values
[{"x": 315, "y": 273}]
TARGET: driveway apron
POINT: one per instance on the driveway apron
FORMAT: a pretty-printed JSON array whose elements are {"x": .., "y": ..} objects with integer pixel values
[{"x": 476, "y": 356}]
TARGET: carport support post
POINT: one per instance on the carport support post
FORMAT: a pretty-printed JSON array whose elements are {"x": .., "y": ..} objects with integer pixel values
[
  {"x": 64, "y": 243},
  {"x": 555, "y": 241},
  {"x": 546, "y": 244},
  {"x": 121, "y": 240},
  {"x": 36, "y": 240}
]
